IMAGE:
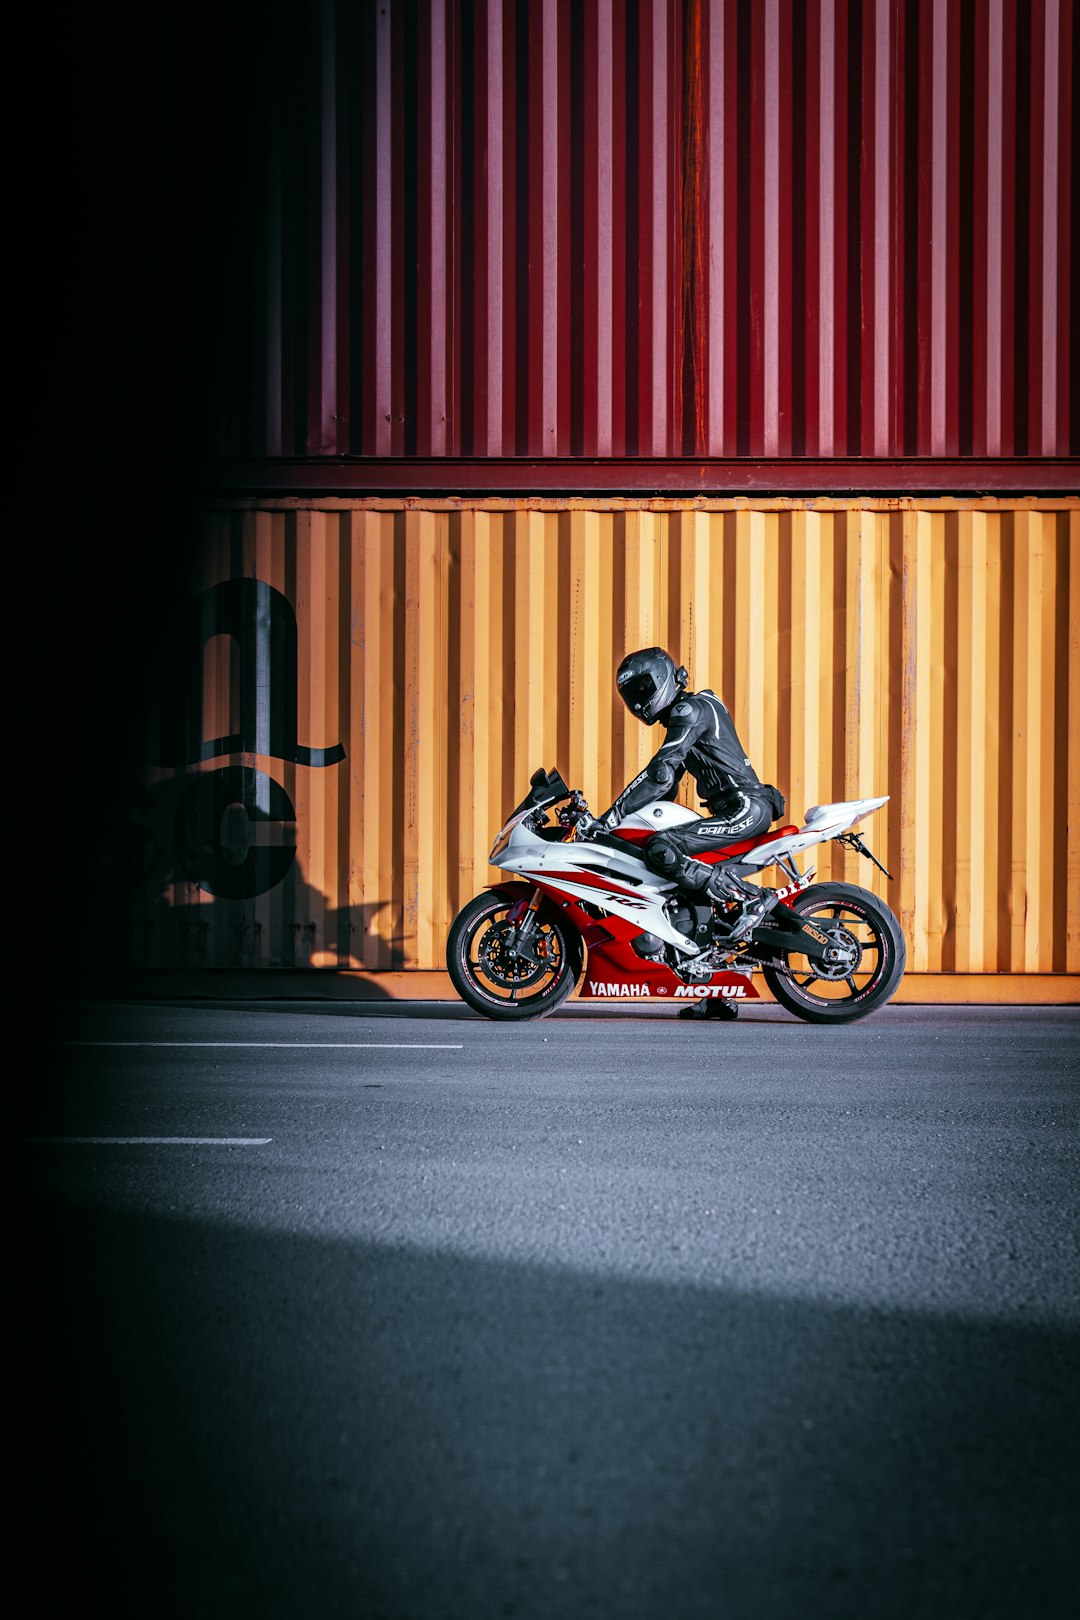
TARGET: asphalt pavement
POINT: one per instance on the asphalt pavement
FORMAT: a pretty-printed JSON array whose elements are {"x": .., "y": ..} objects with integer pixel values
[{"x": 390, "y": 1312}]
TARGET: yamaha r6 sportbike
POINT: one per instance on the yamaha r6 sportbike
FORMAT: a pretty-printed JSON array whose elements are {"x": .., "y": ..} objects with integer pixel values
[{"x": 582, "y": 906}]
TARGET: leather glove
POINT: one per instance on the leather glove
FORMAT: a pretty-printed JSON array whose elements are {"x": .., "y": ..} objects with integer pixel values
[{"x": 588, "y": 825}]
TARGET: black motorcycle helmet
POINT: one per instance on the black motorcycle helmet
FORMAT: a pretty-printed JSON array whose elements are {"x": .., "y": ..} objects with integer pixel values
[{"x": 648, "y": 683}]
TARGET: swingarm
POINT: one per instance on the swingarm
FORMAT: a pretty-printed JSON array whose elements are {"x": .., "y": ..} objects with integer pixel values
[{"x": 783, "y": 930}]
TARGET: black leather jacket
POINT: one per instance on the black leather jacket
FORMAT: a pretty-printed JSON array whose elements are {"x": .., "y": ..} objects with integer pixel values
[{"x": 701, "y": 738}]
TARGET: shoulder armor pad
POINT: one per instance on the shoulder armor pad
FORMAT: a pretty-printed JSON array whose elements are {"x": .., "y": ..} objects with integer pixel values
[{"x": 682, "y": 710}]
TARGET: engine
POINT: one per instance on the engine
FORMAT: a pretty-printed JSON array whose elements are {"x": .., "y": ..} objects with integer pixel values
[
  {"x": 696, "y": 922},
  {"x": 699, "y": 924}
]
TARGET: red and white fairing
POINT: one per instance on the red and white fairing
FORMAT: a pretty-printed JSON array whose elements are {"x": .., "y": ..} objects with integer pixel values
[
  {"x": 621, "y": 885},
  {"x": 632, "y": 897},
  {"x": 583, "y": 873}
]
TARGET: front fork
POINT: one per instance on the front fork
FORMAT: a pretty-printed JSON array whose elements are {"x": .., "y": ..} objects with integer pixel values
[{"x": 523, "y": 916}]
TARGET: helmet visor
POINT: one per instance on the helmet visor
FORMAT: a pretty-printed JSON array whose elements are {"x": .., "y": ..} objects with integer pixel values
[{"x": 637, "y": 691}]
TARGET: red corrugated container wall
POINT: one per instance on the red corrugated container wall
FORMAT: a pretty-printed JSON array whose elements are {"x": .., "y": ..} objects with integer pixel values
[{"x": 661, "y": 228}]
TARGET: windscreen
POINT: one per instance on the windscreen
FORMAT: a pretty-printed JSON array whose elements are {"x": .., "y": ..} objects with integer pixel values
[{"x": 545, "y": 787}]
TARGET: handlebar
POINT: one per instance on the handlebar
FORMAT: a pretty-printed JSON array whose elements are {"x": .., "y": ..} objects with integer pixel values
[{"x": 577, "y": 814}]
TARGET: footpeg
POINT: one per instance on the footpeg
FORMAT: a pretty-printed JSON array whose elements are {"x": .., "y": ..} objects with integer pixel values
[{"x": 753, "y": 912}]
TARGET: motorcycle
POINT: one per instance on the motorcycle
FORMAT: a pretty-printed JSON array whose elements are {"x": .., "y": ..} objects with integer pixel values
[{"x": 582, "y": 909}]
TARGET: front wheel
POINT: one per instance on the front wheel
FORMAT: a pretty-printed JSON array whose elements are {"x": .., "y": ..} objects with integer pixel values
[
  {"x": 868, "y": 957},
  {"x": 486, "y": 972}
]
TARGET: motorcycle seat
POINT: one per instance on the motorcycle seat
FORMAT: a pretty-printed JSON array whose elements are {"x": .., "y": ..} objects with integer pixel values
[
  {"x": 726, "y": 851},
  {"x": 636, "y": 837}
]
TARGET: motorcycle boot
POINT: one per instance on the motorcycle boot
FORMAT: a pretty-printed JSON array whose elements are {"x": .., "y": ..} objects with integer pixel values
[
  {"x": 717, "y": 1010},
  {"x": 743, "y": 905},
  {"x": 738, "y": 906}
]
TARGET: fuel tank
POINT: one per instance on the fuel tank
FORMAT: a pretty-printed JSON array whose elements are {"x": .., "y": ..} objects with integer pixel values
[{"x": 657, "y": 818}]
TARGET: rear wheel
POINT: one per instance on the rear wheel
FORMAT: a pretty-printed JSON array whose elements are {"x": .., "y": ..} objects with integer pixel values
[
  {"x": 487, "y": 973},
  {"x": 868, "y": 951}
]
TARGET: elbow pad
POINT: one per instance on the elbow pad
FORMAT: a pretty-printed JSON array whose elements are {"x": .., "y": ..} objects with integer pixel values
[{"x": 662, "y": 774}]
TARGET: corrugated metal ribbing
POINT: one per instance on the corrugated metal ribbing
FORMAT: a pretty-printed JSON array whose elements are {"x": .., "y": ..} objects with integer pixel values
[
  {"x": 410, "y": 668},
  {"x": 836, "y": 228}
]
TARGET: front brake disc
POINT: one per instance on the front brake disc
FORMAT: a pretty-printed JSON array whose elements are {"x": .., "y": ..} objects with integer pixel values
[{"x": 502, "y": 966}]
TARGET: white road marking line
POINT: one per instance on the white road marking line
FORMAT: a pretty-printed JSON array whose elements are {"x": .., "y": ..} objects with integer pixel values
[
  {"x": 160, "y": 1141},
  {"x": 313, "y": 1046}
]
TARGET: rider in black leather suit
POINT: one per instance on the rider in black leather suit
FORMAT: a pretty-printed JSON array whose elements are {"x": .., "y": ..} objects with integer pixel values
[{"x": 701, "y": 739}]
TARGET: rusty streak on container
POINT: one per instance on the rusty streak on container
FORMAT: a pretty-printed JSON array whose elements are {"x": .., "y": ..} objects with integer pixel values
[
  {"x": 714, "y": 290},
  {"x": 691, "y": 333},
  {"x": 662, "y": 228}
]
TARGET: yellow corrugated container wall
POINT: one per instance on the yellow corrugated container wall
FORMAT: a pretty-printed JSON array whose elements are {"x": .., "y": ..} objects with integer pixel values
[{"x": 927, "y": 649}]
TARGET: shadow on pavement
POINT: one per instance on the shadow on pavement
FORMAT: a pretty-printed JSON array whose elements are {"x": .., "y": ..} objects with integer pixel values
[{"x": 221, "y": 1423}]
